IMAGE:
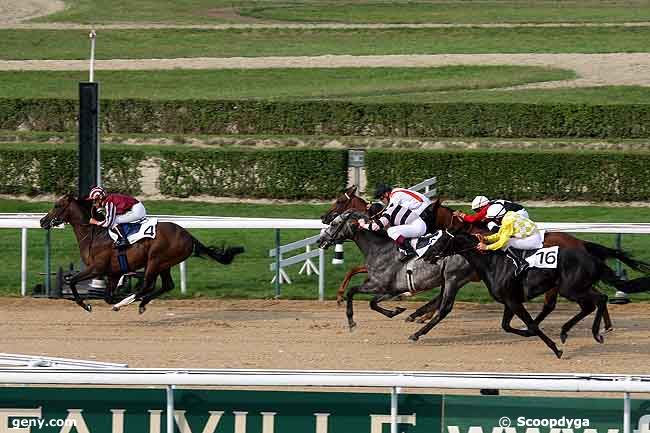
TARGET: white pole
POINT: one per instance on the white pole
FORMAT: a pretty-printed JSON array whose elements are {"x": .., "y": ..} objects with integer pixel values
[
  {"x": 321, "y": 274},
  {"x": 183, "y": 277},
  {"x": 92, "y": 37},
  {"x": 170, "y": 409},
  {"x": 393, "y": 410},
  {"x": 626, "y": 413},
  {"x": 23, "y": 261}
]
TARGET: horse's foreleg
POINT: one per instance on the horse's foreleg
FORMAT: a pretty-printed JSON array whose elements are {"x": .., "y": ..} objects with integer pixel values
[
  {"x": 86, "y": 274},
  {"x": 550, "y": 300},
  {"x": 349, "y": 310},
  {"x": 446, "y": 305},
  {"x": 346, "y": 280},
  {"x": 520, "y": 311},
  {"x": 505, "y": 324},
  {"x": 427, "y": 309},
  {"x": 374, "y": 304},
  {"x": 167, "y": 285}
]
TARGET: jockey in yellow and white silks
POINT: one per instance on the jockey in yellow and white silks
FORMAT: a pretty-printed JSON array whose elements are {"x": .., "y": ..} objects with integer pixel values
[{"x": 516, "y": 231}]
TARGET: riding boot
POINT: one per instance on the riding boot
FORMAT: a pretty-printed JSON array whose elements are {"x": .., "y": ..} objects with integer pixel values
[
  {"x": 121, "y": 241},
  {"x": 521, "y": 265},
  {"x": 405, "y": 245}
]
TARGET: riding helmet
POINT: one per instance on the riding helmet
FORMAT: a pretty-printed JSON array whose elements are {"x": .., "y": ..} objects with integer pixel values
[{"x": 382, "y": 189}]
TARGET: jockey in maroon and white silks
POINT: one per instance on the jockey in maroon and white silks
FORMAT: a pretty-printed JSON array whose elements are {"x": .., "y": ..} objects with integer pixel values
[
  {"x": 401, "y": 218},
  {"x": 117, "y": 209}
]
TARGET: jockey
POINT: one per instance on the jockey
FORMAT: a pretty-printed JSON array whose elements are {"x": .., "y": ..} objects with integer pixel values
[
  {"x": 480, "y": 205},
  {"x": 118, "y": 209},
  {"x": 516, "y": 231},
  {"x": 405, "y": 216}
]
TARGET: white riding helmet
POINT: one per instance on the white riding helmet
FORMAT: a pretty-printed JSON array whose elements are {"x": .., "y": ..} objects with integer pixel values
[
  {"x": 479, "y": 201},
  {"x": 496, "y": 211}
]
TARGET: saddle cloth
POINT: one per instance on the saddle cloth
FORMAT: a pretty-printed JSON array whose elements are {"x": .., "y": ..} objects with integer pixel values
[
  {"x": 145, "y": 228},
  {"x": 543, "y": 258}
]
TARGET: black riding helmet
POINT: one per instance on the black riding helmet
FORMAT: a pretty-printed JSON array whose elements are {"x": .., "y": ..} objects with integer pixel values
[{"x": 382, "y": 189}]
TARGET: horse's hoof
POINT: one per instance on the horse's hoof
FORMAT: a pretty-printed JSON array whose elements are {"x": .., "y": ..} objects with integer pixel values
[
  {"x": 608, "y": 330},
  {"x": 409, "y": 319},
  {"x": 563, "y": 337},
  {"x": 414, "y": 337},
  {"x": 339, "y": 302},
  {"x": 599, "y": 338},
  {"x": 558, "y": 354},
  {"x": 115, "y": 308},
  {"x": 88, "y": 308},
  {"x": 421, "y": 320},
  {"x": 399, "y": 310},
  {"x": 351, "y": 326},
  {"x": 142, "y": 309}
]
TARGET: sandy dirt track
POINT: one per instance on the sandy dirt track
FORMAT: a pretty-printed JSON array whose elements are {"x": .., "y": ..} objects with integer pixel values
[
  {"x": 593, "y": 69},
  {"x": 312, "y": 335},
  {"x": 16, "y": 11}
]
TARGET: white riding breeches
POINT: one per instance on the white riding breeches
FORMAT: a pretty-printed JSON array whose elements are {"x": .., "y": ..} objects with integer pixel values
[
  {"x": 136, "y": 213},
  {"x": 416, "y": 228},
  {"x": 532, "y": 242}
]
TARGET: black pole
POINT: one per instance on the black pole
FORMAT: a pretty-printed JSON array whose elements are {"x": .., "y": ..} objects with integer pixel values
[{"x": 89, "y": 172}]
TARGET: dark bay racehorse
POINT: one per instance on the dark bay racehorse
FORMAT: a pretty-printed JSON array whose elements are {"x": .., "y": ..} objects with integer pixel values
[
  {"x": 172, "y": 245},
  {"x": 574, "y": 278}
]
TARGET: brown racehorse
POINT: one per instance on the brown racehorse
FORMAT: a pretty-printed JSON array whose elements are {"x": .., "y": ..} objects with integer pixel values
[
  {"x": 445, "y": 218},
  {"x": 172, "y": 245}
]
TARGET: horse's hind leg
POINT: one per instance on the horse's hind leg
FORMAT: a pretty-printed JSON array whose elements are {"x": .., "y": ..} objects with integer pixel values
[
  {"x": 166, "y": 286},
  {"x": 518, "y": 309},
  {"x": 445, "y": 307},
  {"x": 587, "y": 306},
  {"x": 374, "y": 304}
]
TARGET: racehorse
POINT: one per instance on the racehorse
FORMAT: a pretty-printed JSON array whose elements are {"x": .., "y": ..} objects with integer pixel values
[
  {"x": 387, "y": 274},
  {"x": 172, "y": 245},
  {"x": 574, "y": 277}
]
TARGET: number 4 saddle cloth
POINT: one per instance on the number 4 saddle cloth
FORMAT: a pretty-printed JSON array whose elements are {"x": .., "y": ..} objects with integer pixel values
[{"x": 145, "y": 228}]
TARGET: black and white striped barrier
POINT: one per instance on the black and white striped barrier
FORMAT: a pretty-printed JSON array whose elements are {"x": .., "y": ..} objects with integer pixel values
[{"x": 338, "y": 258}]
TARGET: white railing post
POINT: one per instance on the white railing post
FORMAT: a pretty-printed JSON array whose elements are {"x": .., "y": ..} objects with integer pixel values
[
  {"x": 321, "y": 274},
  {"x": 627, "y": 428},
  {"x": 393, "y": 409},
  {"x": 183, "y": 266},
  {"x": 170, "y": 409},
  {"x": 23, "y": 261}
]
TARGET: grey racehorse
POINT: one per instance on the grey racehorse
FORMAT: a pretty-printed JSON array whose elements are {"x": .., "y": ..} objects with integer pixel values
[{"x": 387, "y": 276}]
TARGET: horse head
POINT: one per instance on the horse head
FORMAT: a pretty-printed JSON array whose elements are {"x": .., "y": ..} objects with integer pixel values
[
  {"x": 345, "y": 201},
  {"x": 342, "y": 227},
  {"x": 67, "y": 209}
]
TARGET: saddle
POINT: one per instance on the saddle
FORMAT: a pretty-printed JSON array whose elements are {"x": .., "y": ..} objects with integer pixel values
[{"x": 144, "y": 228}]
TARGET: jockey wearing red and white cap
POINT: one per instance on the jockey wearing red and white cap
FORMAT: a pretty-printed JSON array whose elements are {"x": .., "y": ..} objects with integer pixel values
[{"x": 117, "y": 209}]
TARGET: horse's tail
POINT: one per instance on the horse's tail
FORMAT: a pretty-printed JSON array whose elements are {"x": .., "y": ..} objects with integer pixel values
[
  {"x": 603, "y": 253},
  {"x": 637, "y": 285},
  {"x": 223, "y": 255}
]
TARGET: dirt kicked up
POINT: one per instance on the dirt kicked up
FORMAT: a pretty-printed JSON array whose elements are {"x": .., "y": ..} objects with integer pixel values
[{"x": 314, "y": 335}]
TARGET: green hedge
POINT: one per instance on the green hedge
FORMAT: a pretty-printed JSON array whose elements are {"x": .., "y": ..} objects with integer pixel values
[
  {"x": 275, "y": 173},
  {"x": 38, "y": 171},
  {"x": 517, "y": 175},
  {"x": 337, "y": 118}
]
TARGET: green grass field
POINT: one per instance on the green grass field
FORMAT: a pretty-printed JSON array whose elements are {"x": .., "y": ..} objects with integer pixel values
[
  {"x": 218, "y": 11},
  {"x": 273, "y": 83},
  {"x": 145, "y": 44},
  {"x": 249, "y": 276}
]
